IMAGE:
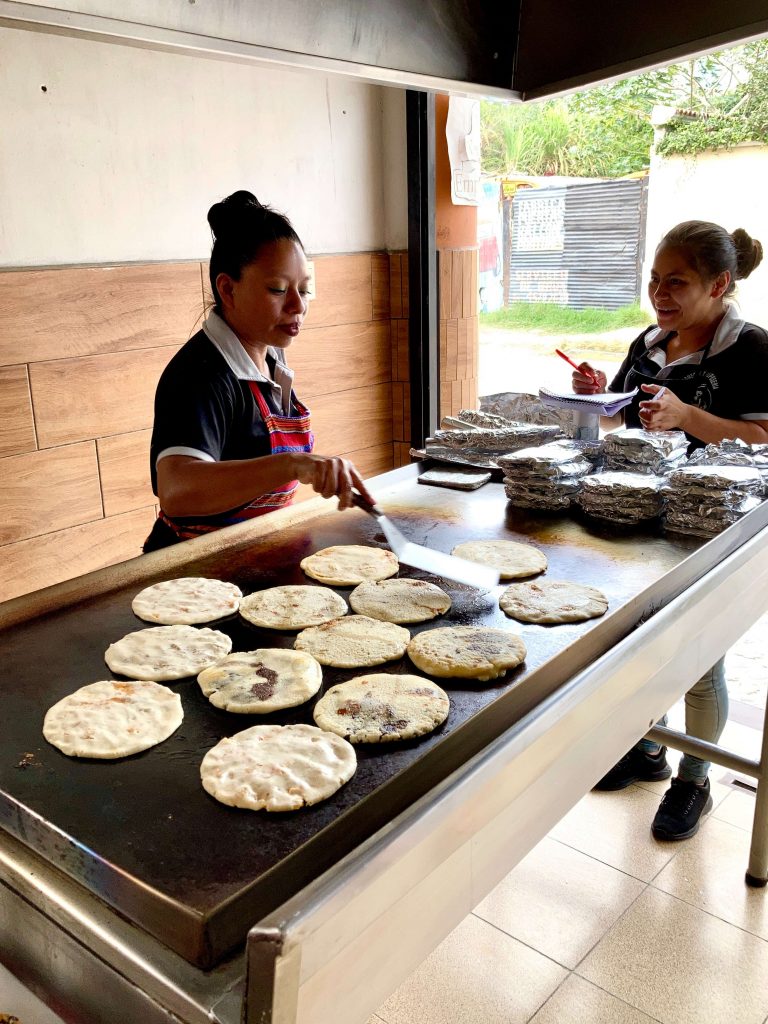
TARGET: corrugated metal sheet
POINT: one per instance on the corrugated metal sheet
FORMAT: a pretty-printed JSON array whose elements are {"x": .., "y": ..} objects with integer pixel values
[{"x": 579, "y": 245}]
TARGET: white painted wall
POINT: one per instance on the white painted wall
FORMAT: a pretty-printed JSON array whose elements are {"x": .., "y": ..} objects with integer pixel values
[
  {"x": 726, "y": 186},
  {"x": 395, "y": 169},
  {"x": 121, "y": 156}
]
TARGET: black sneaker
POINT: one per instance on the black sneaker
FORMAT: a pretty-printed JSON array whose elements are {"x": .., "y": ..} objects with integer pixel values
[
  {"x": 636, "y": 766},
  {"x": 681, "y": 810}
]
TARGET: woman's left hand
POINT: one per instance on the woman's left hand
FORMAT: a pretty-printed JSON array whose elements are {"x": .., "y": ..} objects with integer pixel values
[{"x": 665, "y": 412}]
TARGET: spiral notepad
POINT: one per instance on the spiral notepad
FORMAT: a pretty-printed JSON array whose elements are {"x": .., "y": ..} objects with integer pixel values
[{"x": 608, "y": 403}]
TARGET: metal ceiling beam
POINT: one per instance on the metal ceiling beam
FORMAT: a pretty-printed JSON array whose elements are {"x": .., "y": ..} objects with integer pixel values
[{"x": 443, "y": 46}]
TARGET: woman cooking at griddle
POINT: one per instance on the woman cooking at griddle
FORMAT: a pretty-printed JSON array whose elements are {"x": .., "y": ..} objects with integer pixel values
[
  {"x": 231, "y": 440},
  {"x": 703, "y": 370}
]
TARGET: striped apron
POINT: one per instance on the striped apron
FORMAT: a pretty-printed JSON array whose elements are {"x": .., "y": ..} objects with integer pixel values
[{"x": 286, "y": 434}]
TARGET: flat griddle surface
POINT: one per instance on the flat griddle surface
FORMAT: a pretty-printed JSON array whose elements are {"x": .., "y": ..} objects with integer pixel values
[{"x": 142, "y": 834}]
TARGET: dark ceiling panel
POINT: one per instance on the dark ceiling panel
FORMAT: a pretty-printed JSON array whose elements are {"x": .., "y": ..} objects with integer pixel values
[
  {"x": 564, "y": 45},
  {"x": 468, "y": 45}
]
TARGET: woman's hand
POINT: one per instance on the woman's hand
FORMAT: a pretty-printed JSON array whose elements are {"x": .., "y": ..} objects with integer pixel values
[
  {"x": 584, "y": 384},
  {"x": 330, "y": 475},
  {"x": 663, "y": 411}
]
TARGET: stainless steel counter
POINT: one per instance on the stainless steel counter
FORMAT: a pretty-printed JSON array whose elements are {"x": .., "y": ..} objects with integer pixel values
[{"x": 520, "y": 758}]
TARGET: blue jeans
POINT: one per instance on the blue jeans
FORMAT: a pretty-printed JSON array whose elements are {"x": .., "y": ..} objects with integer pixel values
[{"x": 706, "y": 712}]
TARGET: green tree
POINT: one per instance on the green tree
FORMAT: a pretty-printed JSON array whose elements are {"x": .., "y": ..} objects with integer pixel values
[
  {"x": 606, "y": 131},
  {"x": 733, "y": 109}
]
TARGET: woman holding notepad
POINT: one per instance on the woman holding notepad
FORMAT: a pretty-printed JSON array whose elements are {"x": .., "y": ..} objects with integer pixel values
[{"x": 702, "y": 369}]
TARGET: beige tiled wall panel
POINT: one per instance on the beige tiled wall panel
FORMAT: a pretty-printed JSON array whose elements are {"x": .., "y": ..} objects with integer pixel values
[
  {"x": 77, "y": 311},
  {"x": 344, "y": 290},
  {"x": 17, "y": 426},
  {"x": 458, "y": 330},
  {"x": 81, "y": 350},
  {"x": 395, "y": 285},
  {"x": 380, "y": 285},
  {"x": 48, "y": 490},
  {"x": 64, "y": 554},
  {"x": 329, "y": 359},
  {"x": 402, "y": 453},
  {"x": 97, "y": 395},
  {"x": 398, "y": 410},
  {"x": 368, "y": 461},
  {"x": 124, "y": 471},
  {"x": 352, "y": 420}
]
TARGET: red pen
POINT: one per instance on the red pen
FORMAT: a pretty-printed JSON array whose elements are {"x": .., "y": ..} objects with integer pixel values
[{"x": 587, "y": 373}]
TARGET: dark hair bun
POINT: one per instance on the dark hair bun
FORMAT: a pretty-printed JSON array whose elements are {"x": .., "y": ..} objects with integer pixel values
[
  {"x": 749, "y": 253},
  {"x": 226, "y": 216}
]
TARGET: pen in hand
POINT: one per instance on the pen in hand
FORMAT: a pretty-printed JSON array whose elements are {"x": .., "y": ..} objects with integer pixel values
[{"x": 587, "y": 373}]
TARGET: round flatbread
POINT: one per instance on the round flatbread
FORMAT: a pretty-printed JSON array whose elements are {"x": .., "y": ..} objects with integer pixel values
[
  {"x": 346, "y": 565},
  {"x": 256, "y": 682},
  {"x": 512, "y": 559},
  {"x": 292, "y": 607},
  {"x": 400, "y": 600},
  {"x": 469, "y": 652},
  {"x": 167, "y": 652},
  {"x": 354, "y": 642},
  {"x": 113, "y": 719},
  {"x": 380, "y": 707},
  {"x": 552, "y": 601},
  {"x": 277, "y": 767},
  {"x": 186, "y": 601}
]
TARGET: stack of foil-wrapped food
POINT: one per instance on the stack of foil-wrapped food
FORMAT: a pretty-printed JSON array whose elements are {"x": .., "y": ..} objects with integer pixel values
[
  {"x": 547, "y": 477},
  {"x": 479, "y": 439},
  {"x": 645, "y": 451},
  {"x": 705, "y": 499},
  {"x": 626, "y": 498}
]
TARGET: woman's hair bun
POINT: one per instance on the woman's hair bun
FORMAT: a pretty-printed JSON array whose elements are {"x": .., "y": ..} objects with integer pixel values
[
  {"x": 749, "y": 253},
  {"x": 227, "y": 215}
]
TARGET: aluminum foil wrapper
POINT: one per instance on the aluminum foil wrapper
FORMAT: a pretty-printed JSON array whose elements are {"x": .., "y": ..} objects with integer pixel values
[
  {"x": 547, "y": 460},
  {"x": 707, "y": 521},
  {"x": 734, "y": 453},
  {"x": 524, "y": 408},
  {"x": 546, "y": 500},
  {"x": 645, "y": 451},
  {"x": 483, "y": 419},
  {"x": 493, "y": 440},
  {"x": 622, "y": 497},
  {"x": 718, "y": 478}
]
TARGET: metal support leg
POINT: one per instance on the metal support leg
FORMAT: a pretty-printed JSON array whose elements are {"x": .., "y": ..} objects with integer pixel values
[{"x": 757, "y": 871}]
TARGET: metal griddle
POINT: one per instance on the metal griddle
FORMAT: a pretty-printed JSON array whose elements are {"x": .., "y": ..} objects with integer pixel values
[{"x": 142, "y": 834}]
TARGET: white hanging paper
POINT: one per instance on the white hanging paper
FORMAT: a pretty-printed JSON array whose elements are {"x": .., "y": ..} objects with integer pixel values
[{"x": 462, "y": 133}]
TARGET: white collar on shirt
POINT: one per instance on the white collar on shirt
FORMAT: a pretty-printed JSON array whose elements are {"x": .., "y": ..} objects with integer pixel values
[
  {"x": 221, "y": 335},
  {"x": 727, "y": 334}
]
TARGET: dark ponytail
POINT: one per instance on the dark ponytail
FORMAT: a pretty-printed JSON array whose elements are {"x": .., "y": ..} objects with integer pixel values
[
  {"x": 711, "y": 250},
  {"x": 241, "y": 225}
]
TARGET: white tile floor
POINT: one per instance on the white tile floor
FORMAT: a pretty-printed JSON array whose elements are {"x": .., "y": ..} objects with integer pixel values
[{"x": 601, "y": 924}]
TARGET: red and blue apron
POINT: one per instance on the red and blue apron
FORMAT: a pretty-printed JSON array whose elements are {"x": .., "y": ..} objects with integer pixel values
[{"x": 286, "y": 434}]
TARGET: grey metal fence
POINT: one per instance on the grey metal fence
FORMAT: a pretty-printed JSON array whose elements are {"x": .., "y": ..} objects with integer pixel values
[{"x": 578, "y": 245}]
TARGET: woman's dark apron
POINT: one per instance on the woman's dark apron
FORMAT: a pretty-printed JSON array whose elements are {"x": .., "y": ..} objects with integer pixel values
[
  {"x": 683, "y": 381},
  {"x": 286, "y": 434}
]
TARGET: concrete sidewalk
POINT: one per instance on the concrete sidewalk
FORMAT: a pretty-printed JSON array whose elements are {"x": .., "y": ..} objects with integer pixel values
[{"x": 525, "y": 360}]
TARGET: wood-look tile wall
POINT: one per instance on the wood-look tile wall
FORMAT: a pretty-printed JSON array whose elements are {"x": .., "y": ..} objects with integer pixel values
[
  {"x": 401, "y": 372},
  {"x": 458, "y": 269},
  {"x": 81, "y": 350}
]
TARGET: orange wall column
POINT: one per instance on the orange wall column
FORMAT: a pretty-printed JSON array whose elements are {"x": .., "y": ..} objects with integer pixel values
[{"x": 457, "y": 255}]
